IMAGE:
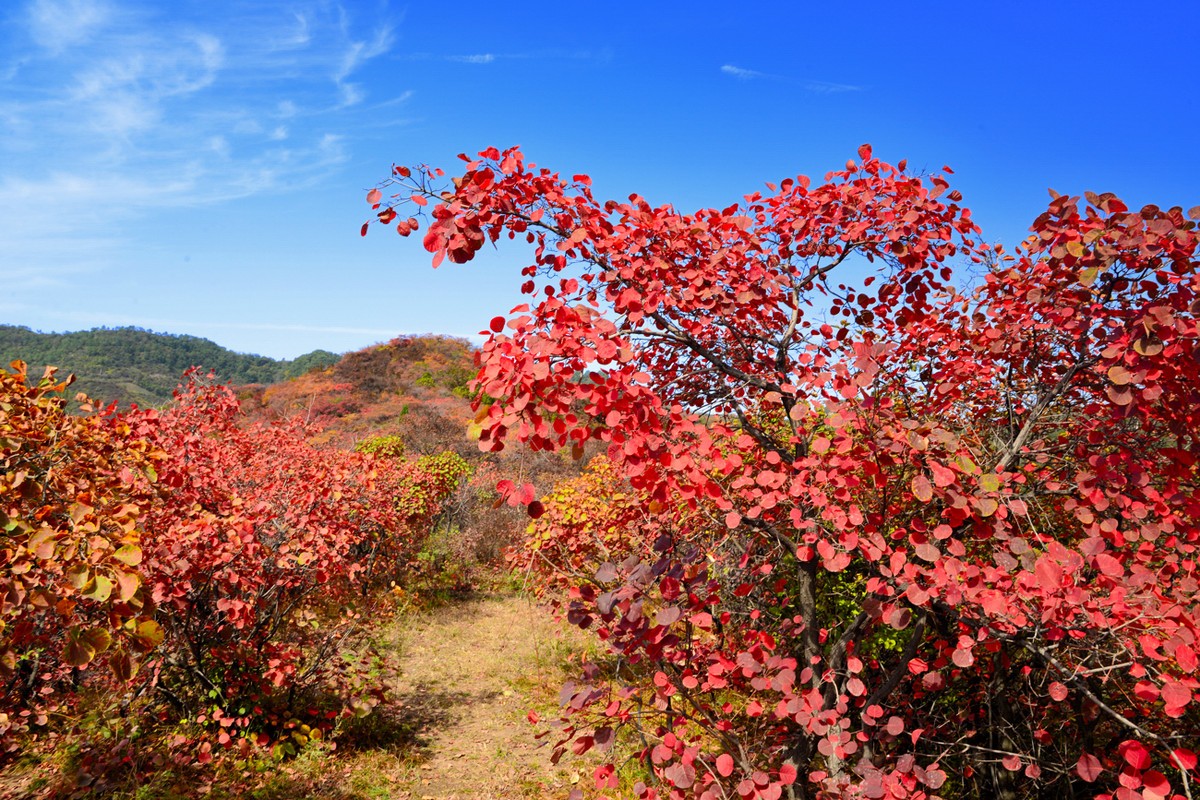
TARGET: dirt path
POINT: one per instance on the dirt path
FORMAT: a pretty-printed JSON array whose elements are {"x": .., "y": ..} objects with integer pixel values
[
  {"x": 454, "y": 727},
  {"x": 469, "y": 674}
]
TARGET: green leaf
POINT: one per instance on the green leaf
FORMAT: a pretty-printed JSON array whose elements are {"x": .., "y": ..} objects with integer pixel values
[{"x": 990, "y": 482}]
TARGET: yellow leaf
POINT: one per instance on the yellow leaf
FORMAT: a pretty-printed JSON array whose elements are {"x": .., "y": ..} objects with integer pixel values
[
  {"x": 129, "y": 554},
  {"x": 149, "y": 633},
  {"x": 1119, "y": 375},
  {"x": 98, "y": 588},
  {"x": 922, "y": 489}
]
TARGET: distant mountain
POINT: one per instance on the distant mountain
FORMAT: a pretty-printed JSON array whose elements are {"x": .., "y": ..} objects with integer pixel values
[{"x": 133, "y": 365}]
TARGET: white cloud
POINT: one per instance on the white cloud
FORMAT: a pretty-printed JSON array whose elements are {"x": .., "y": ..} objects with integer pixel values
[
  {"x": 477, "y": 58},
  {"x": 121, "y": 110},
  {"x": 356, "y": 55},
  {"x": 300, "y": 37},
  {"x": 739, "y": 72},
  {"x": 59, "y": 24},
  {"x": 825, "y": 87},
  {"x": 352, "y": 94},
  {"x": 818, "y": 87}
]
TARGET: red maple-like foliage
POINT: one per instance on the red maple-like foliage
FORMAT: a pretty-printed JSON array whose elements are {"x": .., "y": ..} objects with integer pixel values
[
  {"x": 900, "y": 538},
  {"x": 73, "y": 492},
  {"x": 180, "y": 564}
]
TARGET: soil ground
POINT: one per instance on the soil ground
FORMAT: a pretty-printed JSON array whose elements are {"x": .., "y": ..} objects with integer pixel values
[{"x": 469, "y": 675}]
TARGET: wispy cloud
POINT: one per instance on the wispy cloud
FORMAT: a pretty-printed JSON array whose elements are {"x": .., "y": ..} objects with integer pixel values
[
  {"x": 115, "y": 110},
  {"x": 477, "y": 58},
  {"x": 827, "y": 87},
  {"x": 357, "y": 54},
  {"x": 59, "y": 24},
  {"x": 603, "y": 55},
  {"x": 742, "y": 73},
  {"x": 818, "y": 87}
]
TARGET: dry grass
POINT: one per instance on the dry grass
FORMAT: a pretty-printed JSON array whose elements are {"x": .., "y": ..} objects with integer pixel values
[{"x": 456, "y": 728}]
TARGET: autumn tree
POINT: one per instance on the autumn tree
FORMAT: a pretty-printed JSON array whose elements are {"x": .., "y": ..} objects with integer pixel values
[
  {"x": 74, "y": 490},
  {"x": 903, "y": 539}
]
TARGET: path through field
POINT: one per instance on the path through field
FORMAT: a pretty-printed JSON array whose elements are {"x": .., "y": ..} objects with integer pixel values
[{"x": 469, "y": 674}]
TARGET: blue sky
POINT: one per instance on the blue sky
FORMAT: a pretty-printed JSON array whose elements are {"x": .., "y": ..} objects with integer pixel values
[{"x": 199, "y": 166}]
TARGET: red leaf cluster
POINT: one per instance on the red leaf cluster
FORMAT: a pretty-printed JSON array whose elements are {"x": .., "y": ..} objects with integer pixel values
[
  {"x": 844, "y": 489},
  {"x": 216, "y": 565}
]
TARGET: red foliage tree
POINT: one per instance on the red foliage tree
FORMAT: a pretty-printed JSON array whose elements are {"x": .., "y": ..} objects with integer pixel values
[
  {"x": 73, "y": 492},
  {"x": 915, "y": 541},
  {"x": 216, "y": 570},
  {"x": 262, "y": 555}
]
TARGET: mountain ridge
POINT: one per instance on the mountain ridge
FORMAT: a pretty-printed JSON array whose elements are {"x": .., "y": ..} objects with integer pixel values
[{"x": 135, "y": 365}]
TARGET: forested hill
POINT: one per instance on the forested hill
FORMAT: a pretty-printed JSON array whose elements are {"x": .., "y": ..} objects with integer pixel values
[{"x": 132, "y": 365}]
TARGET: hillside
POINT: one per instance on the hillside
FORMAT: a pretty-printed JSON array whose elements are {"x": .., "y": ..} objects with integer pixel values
[
  {"x": 413, "y": 385},
  {"x": 132, "y": 365}
]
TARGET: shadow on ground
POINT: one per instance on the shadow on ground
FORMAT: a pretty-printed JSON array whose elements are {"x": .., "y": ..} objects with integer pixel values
[{"x": 408, "y": 723}]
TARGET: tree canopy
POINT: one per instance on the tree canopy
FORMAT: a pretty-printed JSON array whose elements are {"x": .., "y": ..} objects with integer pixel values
[
  {"x": 136, "y": 365},
  {"x": 889, "y": 536}
]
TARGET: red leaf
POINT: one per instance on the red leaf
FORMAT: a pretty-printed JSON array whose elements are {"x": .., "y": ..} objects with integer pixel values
[
  {"x": 1088, "y": 767},
  {"x": 536, "y": 509},
  {"x": 1186, "y": 656},
  {"x": 1058, "y": 692},
  {"x": 374, "y": 196},
  {"x": 1135, "y": 754},
  {"x": 1156, "y": 782},
  {"x": 363, "y": 232},
  {"x": 1185, "y": 758},
  {"x": 605, "y": 777},
  {"x": 733, "y": 519},
  {"x": 419, "y": 200},
  {"x": 724, "y": 765},
  {"x": 1109, "y": 565},
  {"x": 864, "y": 152},
  {"x": 1175, "y": 694},
  {"x": 942, "y": 475},
  {"x": 497, "y": 324}
]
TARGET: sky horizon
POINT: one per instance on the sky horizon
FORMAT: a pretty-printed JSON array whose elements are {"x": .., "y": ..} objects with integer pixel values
[{"x": 200, "y": 167}]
